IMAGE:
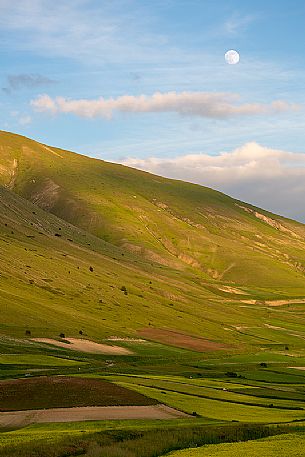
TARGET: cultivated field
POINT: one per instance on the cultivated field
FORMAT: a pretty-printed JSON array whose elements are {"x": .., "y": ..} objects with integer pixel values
[
  {"x": 222, "y": 395},
  {"x": 18, "y": 419},
  {"x": 66, "y": 392}
]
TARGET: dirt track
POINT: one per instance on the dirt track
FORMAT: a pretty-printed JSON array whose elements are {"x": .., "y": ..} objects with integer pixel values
[
  {"x": 79, "y": 344},
  {"x": 23, "y": 418}
]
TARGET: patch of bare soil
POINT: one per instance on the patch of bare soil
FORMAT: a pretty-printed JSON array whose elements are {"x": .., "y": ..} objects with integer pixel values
[
  {"x": 285, "y": 302},
  {"x": 91, "y": 413},
  {"x": 81, "y": 345},
  {"x": 174, "y": 338},
  {"x": 232, "y": 290},
  {"x": 298, "y": 368},
  {"x": 274, "y": 327}
]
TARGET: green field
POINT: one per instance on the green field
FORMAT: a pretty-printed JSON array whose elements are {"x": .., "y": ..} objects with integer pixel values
[
  {"x": 291, "y": 445},
  {"x": 181, "y": 379},
  {"x": 122, "y": 438},
  {"x": 223, "y": 402}
]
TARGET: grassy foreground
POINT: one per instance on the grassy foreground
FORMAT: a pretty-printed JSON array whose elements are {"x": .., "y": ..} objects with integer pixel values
[
  {"x": 291, "y": 445},
  {"x": 121, "y": 439}
]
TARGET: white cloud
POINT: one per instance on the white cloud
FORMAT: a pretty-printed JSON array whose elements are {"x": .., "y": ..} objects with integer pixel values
[
  {"x": 205, "y": 104},
  {"x": 269, "y": 178}
]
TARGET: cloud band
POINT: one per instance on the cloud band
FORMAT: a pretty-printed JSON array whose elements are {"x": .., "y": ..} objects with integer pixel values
[
  {"x": 203, "y": 104},
  {"x": 270, "y": 178}
]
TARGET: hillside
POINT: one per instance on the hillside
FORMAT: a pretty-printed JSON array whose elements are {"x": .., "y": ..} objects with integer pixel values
[
  {"x": 171, "y": 222},
  {"x": 192, "y": 259}
]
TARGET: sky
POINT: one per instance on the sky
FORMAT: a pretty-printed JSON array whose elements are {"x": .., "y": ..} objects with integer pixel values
[{"x": 145, "y": 83}]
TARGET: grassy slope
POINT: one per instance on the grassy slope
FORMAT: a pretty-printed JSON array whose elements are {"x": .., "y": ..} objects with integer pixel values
[{"x": 172, "y": 244}]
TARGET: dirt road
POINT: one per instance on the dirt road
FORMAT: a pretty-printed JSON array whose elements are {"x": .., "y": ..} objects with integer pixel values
[{"x": 23, "y": 418}]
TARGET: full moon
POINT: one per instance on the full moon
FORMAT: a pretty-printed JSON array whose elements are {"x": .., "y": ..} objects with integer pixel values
[{"x": 232, "y": 57}]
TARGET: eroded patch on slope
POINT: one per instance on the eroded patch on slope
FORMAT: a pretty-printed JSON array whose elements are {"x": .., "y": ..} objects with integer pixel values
[
  {"x": 47, "y": 195},
  {"x": 268, "y": 220}
]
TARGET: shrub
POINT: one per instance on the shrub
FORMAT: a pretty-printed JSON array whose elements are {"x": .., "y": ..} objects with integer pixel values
[
  {"x": 123, "y": 289},
  {"x": 231, "y": 374}
]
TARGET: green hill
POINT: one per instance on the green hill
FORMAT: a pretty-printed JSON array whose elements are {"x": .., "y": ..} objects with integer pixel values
[{"x": 192, "y": 259}]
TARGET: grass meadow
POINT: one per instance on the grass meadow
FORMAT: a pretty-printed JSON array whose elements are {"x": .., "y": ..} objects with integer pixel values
[{"x": 291, "y": 445}]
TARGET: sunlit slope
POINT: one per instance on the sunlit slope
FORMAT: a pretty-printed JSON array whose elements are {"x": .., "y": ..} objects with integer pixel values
[{"x": 174, "y": 223}]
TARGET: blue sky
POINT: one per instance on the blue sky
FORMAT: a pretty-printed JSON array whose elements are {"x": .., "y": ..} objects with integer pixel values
[{"x": 88, "y": 49}]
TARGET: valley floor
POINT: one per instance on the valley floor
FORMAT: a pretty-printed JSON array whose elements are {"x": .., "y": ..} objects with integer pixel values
[{"x": 153, "y": 400}]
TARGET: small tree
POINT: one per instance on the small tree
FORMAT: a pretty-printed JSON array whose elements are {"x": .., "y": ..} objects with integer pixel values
[{"x": 62, "y": 335}]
